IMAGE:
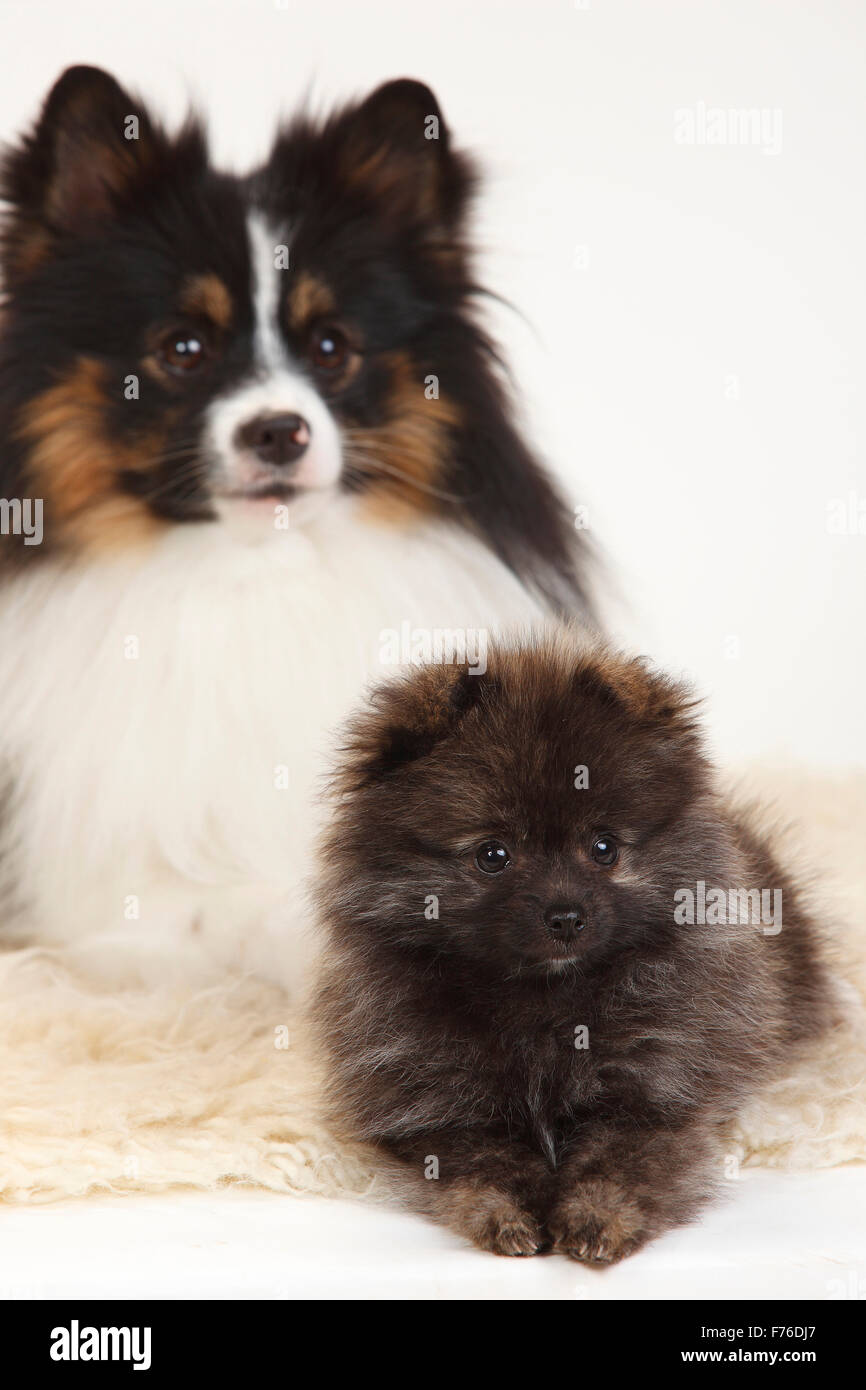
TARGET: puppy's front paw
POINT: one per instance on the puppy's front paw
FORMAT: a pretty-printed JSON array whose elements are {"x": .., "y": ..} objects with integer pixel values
[
  {"x": 598, "y": 1224},
  {"x": 510, "y": 1235},
  {"x": 493, "y": 1221}
]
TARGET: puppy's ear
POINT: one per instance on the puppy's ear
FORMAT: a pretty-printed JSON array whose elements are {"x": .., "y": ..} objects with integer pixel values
[
  {"x": 634, "y": 688},
  {"x": 659, "y": 699},
  {"x": 397, "y": 150},
  {"x": 407, "y": 718}
]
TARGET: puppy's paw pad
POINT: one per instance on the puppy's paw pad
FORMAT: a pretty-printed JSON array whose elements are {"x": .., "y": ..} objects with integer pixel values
[{"x": 597, "y": 1224}]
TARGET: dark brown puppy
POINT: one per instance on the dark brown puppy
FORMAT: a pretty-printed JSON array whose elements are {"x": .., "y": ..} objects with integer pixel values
[{"x": 548, "y": 977}]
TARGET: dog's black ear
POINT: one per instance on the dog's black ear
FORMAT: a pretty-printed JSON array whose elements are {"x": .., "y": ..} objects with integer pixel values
[
  {"x": 407, "y": 718},
  {"x": 91, "y": 143},
  {"x": 398, "y": 151}
]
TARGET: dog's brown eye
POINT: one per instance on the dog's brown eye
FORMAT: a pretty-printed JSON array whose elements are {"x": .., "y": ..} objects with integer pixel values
[
  {"x": 492, "y": 857},
  {"x": 329, "y": 347},
  {"x": 604, "y": 850},
  {"x": 182, "y": 352}
]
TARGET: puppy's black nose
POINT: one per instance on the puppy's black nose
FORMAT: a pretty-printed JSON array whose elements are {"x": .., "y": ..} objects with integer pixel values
[
  {"x": 276, "y": 439},
  {"x": 565, "y": 922}
]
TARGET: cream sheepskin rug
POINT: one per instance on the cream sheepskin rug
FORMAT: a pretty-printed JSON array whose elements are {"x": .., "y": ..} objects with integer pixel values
[{"x": 147, "y": 1090}]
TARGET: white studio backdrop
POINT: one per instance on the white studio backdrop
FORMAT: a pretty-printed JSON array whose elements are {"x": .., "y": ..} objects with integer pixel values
[{"x": 676, "y": 205}]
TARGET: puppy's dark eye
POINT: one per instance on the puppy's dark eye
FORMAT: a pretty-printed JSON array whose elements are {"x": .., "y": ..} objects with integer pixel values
[
  {"x": 604, "y": 850},
  {"x": 492, "y": 857},
  {"x": 329, "y": 347},
  {"x": 182, "y": 353}
]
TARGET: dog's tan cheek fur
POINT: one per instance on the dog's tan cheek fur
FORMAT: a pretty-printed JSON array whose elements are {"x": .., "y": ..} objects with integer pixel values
[
  {"x": 74, "y": 465},
  {"x": 414, "y": 441}
]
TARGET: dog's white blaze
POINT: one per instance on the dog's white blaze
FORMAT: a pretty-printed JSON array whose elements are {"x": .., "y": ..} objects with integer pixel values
[
  {"x": 266, "y": 290},
  {"x": 278, "y": 388}
]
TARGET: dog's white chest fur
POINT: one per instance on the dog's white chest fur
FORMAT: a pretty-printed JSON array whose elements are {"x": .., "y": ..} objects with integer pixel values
[{"x": 166, "y": 721}]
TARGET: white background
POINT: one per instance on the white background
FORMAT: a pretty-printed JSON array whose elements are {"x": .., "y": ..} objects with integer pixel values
[{"x": 699, "y": 380}]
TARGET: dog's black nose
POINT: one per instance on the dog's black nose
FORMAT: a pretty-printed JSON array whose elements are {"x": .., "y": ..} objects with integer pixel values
[
  {"x": 277, "y": 439},
  {"x": 565, "y": 922}
]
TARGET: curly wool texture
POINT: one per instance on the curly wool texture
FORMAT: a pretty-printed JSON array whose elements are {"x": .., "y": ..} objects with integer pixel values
[{"x": 144, "y": 1090}]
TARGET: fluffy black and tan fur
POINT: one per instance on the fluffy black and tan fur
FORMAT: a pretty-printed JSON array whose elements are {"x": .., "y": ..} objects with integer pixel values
[{"x": 114, "y": 248}]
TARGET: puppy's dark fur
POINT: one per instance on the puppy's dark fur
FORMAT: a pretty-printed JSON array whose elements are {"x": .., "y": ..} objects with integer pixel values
[{"x": 543, "y": 1079}]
